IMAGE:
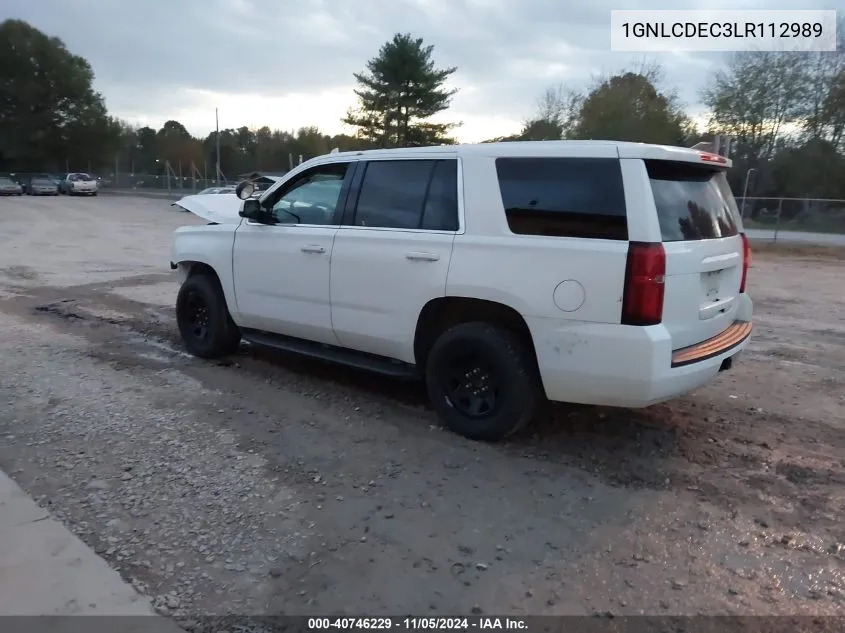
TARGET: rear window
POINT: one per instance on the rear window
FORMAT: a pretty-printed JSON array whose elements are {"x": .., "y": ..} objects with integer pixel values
[
  {"x": 564, "y": 197},
  {"x": 693, "y": 202}
]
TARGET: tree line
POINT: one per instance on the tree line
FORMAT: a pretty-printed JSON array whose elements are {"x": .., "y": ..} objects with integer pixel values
[{"x": 785, "y": 112}]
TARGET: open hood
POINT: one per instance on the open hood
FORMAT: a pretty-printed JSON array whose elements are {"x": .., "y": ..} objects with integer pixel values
[{"x": 222, "y": 208}]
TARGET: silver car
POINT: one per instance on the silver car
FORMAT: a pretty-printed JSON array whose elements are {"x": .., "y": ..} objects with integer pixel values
[
  {"x": 9, "y": 187},
  {"x": 43, "y": 187}
]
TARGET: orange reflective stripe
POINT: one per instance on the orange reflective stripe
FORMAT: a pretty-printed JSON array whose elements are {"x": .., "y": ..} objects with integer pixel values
[{"x": 731, "y": 337}]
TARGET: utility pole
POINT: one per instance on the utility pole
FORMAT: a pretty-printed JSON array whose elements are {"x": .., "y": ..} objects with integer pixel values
[{"x": 217, "y": 140}]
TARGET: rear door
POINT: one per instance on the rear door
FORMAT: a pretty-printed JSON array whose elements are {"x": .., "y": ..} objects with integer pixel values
[
  {"x": 391, "y": 255},
  {"x": 701, "y": 229}
]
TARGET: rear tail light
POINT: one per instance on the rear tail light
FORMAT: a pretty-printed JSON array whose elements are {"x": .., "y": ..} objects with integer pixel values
[
  {"x": 645, "y": 281},
  {"x": 746, "y": 261}
]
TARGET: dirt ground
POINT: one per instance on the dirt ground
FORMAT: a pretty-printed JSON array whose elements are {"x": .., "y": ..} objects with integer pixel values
[{"x": 269, "y": 484}]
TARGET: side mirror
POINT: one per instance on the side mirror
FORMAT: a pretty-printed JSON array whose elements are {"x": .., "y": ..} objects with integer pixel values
[
  {"x": 245, "y": 189},
  {"x": 251, "y": 210}
]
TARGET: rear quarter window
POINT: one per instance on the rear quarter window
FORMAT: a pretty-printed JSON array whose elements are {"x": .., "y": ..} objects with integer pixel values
[
  {"x": 564, "y": 197},
  {"x": 693, "y": 202}
]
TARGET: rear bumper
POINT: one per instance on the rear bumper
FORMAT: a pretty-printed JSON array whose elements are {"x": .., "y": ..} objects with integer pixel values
[{"x": 613, "y": 365}]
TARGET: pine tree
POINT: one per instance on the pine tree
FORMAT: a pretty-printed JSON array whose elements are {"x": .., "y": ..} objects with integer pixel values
[{"x": 399, "y": 91}]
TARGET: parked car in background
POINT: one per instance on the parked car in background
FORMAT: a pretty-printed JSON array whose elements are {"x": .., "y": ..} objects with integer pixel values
[
  {"x": 25, "y": 180},
  {"x": 216, "y": 190},
  {"x": 9, "y": 187},
  {"x": 79, "y": 184},
  {"x": 42, "y": 187}
]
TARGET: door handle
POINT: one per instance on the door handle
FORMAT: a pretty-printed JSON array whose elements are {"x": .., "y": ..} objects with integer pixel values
[
  {"x": 312, "y": 248},
  {"x": 422, "y": 257}
]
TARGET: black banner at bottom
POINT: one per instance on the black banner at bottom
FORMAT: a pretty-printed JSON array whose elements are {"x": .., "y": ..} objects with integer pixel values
[{"x": 389, "y": 624}]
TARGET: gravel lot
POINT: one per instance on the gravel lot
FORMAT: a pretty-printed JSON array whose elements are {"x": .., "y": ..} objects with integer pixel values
[{"x": 269, "y": 484}]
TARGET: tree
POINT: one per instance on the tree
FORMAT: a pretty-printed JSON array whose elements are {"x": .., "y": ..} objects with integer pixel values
[
  {"x": 147, "y": 152},
  {"x": 753, "y": 98},
  {"x": 555, "y": 116},
  {"x": 49, "y": 113},
  {"x": 822, "y": 109},
  {"x": 630, "y": 107},
  {"x": 813, "y": 169},
  {"x": 398, "y": 93}
]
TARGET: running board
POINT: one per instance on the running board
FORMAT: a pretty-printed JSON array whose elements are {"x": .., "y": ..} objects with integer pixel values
[{"x": 330, "y": 353}]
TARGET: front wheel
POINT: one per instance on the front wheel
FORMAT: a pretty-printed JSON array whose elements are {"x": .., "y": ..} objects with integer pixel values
[
  {"x": 482, "y": 381},
  {"x": 203, "y": 318}
]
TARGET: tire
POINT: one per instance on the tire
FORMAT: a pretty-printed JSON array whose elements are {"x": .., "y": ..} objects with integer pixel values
[
  {"x": 203, "y": 318},
  {"x": 507, "y": 372},
  {"x": 94, "y": 194}
]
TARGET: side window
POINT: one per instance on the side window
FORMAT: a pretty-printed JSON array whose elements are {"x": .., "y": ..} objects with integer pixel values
[
  {"x": 441, "y": 205},
  {"x": 409, "y": 194},
  {"x": 564, "y": 197},
  {"x": 312, "y": 198}
]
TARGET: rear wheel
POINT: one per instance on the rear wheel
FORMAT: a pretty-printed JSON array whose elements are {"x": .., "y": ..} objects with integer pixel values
[
  {"x": 482, "y": 381},
  {"x": 203, "y": 318}
]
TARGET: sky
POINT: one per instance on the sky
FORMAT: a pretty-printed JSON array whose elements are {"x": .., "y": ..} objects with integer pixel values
[{"x": 290, "y": 63}]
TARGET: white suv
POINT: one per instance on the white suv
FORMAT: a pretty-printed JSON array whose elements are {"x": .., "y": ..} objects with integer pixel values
[{"x": 588, "y": 272}]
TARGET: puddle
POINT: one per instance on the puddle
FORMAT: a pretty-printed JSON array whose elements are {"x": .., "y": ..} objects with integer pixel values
[
  {"x": 158, "y": 358},
  {"x": 159, "y": 345}
]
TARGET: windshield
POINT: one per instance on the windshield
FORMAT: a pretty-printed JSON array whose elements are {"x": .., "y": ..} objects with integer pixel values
[
  {"x": 42, "y": 182},
  {"x": 5, "y": 182},
  {"x": 76, "y": 177},
  {"x": 693, "y": 202}
]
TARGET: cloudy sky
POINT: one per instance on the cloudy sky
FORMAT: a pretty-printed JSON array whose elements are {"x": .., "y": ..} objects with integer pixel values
[{"x": 289, "y": 63}]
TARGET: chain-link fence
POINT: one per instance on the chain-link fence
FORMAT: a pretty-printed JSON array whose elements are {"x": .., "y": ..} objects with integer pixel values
[
  {"x": 795, "y": 219},
  {"x": 162, "y": 183}
]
